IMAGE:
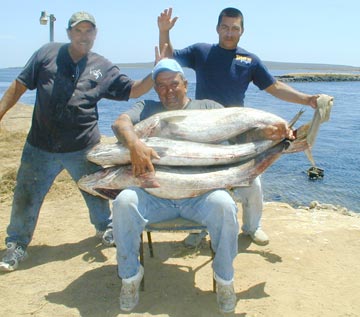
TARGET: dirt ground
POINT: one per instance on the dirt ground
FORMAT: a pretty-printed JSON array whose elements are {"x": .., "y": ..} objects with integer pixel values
[{"x": 310, "y": 267}]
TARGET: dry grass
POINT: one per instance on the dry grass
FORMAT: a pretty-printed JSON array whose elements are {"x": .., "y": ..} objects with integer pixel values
[
  {"x": 11, "y": 144},
  {"x": 7, "y": 184}
]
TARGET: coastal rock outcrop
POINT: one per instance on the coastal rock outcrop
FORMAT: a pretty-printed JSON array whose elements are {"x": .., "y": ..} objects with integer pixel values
[
  {"x": 315, "y": 206},
  {"x": 313, "y": 77}
]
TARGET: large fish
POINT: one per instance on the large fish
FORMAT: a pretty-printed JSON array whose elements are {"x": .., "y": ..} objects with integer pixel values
[
  {"x": 218, "y": 125},
  {"x": 187, "y": 153},
  {"x": 180, "y": 182},
  {"x": 180, "y": 153},
  {"x": 205, "y": 126}
]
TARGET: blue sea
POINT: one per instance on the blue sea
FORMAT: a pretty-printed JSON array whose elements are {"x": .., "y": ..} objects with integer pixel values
[{"x": 336, "y": 149}]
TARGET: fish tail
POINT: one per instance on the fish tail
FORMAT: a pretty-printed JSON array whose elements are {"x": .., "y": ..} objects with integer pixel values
[
  {"x": 296, "y": 117},
  {"x": 309, "y": 156}
]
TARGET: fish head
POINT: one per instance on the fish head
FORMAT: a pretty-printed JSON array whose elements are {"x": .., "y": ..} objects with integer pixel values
[{"x": 148, "y": 127}]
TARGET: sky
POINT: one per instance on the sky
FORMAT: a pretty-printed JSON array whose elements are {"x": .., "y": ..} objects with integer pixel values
[{"x": 307, "y": 31}]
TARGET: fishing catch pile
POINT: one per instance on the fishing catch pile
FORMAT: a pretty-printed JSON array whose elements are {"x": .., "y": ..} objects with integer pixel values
[{"x": 193, "y": 156}]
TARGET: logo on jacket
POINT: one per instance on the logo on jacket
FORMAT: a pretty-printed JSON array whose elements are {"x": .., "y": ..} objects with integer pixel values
[
  {"x": 96, "y": 73},
  {"x": 243, "y": 59}
]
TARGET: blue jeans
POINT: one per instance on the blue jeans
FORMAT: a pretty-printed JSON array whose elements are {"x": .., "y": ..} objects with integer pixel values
[
  {"x": 133, "y": 208},
  {"x": 36, "y": 174},
  {"x": 252, "y": 203}
]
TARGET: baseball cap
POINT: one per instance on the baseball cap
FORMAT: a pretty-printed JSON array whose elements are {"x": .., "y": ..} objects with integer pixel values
[
  {"x": 166, "y": 64},
  {"x": 81, "y": 16}
]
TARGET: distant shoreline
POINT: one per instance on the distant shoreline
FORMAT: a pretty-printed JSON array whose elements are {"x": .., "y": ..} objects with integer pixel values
[
  {"x": 316, "y": 72},
  {"x": 273, "y": 65},
  {"x": 312, "y": 77},
  {"x": 269, "y": 64},
  {"x": 309, "y": 72}
]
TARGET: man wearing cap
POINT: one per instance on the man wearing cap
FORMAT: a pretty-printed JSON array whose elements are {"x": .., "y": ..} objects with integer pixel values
[
  {"x": 133, "y": 208},
  {"x": 69, "y": 80}
]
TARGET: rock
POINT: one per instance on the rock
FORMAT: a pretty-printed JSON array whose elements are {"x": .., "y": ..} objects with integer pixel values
[{"x": 313, "y": 77}]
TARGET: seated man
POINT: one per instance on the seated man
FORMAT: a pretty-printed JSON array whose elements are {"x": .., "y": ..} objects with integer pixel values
[{"x": 133, "y": 208}]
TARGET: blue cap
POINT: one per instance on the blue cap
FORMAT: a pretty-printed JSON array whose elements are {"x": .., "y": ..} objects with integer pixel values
[{"x": 166, "y": 65}]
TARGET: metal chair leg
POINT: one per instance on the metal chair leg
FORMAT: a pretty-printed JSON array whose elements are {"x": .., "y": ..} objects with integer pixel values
[
  {"x": 212, "y": 257},
  {"x": 142, "y": 262},
  {"x": 150, "y": 244}
]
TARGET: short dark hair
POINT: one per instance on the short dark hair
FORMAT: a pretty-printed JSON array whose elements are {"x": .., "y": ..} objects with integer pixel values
[{"x": 231, "y": 13}]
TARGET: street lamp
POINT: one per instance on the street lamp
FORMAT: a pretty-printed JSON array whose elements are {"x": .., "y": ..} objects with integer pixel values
[{"x": 44, "y": 20}]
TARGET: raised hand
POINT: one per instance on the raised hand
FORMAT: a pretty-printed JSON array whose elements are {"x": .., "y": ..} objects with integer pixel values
[
  {"x": 160, "y": 55},
  {"x": 165, "y": 22}
]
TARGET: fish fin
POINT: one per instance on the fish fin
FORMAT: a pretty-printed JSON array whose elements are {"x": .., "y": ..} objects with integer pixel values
[
  {"x": 302, "y": 131},
  {"x": 296, "y": 117},
  {"x": 148, "y": 180},
  {"x": 171, "y": 125}
]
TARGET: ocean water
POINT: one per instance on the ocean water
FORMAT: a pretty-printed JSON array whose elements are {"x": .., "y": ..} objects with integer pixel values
[{"x": 336, "y": 149}]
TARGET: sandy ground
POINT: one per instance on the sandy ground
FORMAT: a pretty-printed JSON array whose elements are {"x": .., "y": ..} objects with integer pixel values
[{"x": 310, "y": 267}]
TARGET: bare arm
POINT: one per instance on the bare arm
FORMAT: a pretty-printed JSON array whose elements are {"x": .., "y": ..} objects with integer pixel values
[
  {"x": 11, "y": 96},
  {"x": 287, "y": 93},
  {"x": 140, "y": 154},
  {"x": 165, "y": 24},
  {"x": 141, "y": 87}
]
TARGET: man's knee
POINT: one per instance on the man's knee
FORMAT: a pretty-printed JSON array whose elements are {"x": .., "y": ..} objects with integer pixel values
[
  {"x": 122, "y": 201},
  {"x": 223, "y": 203}
]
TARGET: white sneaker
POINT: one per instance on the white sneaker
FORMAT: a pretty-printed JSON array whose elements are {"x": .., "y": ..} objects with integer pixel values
[
  {"x": 106, "y": 237},
  {"x": 129, "y": 294},
  {"x": 226, "y": 297},
  {"x": 14, "y": 254},
  {"x": 260, "y": 237},
  {"x": 193, "y": 240}
]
